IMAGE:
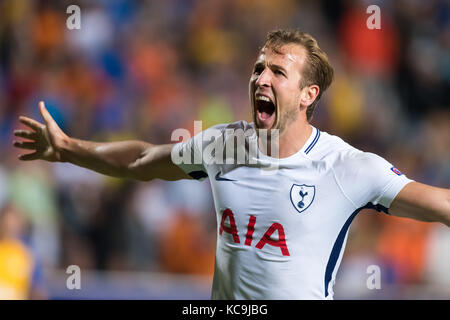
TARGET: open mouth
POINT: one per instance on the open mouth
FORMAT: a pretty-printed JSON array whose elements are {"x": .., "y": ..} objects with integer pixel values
[{"x": 265, "y": 110}]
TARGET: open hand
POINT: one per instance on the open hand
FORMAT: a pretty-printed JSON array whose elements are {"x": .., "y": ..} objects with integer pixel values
[{"x": 46, "y": 140}]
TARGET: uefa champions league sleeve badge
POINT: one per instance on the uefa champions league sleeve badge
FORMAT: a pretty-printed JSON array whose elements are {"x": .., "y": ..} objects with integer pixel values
[{"x": 302, "y": 196}]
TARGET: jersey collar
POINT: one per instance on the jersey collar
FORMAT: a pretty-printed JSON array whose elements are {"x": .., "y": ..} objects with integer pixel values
[{"x": 312, "y": 141}]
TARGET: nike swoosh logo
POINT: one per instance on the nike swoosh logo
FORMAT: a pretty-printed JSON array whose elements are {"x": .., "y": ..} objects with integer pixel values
[{"x": 219, "y": 178}]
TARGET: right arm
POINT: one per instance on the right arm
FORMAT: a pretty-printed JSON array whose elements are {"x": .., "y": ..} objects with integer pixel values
[{"x": 137, "y": 160}]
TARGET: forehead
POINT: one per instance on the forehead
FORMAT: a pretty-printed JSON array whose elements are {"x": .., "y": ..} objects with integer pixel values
[{"x": 288, "y": 56}]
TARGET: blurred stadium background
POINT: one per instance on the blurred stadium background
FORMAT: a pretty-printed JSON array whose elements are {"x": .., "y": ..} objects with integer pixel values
[{"x": 140, "y": 69}]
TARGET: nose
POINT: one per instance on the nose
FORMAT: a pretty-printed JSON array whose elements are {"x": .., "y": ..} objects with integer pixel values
[{"x": 264, "y": 79}]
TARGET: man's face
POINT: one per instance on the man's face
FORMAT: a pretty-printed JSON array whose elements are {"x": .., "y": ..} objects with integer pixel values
[{"x": 274, "y": 86}]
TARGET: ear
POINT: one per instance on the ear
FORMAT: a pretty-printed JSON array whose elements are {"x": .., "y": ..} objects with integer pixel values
[{"x": 309, "y": 94}]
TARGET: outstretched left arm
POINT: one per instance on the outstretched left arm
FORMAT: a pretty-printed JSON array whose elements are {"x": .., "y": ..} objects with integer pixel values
[{"x": 422, "y": 202}]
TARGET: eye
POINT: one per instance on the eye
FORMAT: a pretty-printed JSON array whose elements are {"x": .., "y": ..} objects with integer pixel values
[
  {"x": 258, "y": 69},
  {"x": 278, "y": 72}
]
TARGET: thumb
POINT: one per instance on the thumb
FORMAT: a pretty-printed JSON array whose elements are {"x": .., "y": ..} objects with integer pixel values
[
  {"x": 52, "y": 127},
  {"x": 45, "y": 114}
]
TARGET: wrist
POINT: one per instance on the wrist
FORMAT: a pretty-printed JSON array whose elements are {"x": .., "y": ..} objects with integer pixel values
[{"x": 66, "y": 147}]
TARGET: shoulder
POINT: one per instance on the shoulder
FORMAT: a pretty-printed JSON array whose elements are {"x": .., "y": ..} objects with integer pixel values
[
  {"x": 227, "y": 131},
  {"x": 206, "y": 135},
  {"x": 331, "y": 148},
  {"x": 363, "y": 177},
  {"x": 349, "y": 162},
  {"x": 241, "y": 124},
  {"x": 334, "y": 149}
]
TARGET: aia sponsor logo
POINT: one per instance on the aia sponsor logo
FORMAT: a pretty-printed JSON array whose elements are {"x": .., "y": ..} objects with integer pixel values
[{"x": 266, "y": 239}]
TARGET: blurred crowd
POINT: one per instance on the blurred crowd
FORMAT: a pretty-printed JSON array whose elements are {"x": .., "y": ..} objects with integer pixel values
[{"x": 141, "y": 69}]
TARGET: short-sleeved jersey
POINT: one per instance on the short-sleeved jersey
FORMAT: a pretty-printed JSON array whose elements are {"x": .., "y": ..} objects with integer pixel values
[{"x": 281, "y": 234}]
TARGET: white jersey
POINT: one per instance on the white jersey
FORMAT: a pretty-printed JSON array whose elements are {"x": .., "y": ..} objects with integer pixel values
[{"x": 282, "y": 235}]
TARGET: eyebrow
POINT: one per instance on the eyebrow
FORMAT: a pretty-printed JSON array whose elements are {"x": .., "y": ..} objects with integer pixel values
[{"x": 276, "y": 66}]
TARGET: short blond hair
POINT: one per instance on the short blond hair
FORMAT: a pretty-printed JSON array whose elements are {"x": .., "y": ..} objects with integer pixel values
[{"x": 318, "y": 69}]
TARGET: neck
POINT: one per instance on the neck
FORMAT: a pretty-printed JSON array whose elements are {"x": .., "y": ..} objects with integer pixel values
[{"x": 291, "y": 140}]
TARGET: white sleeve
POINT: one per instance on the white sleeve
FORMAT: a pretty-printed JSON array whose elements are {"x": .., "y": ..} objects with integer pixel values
[
  {"x": 189, "y": 155},
  {"x": 368, "y": 180}
]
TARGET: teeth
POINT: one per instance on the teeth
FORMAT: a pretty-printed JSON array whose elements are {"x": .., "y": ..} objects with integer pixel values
[{"x": 263, "y": 98}]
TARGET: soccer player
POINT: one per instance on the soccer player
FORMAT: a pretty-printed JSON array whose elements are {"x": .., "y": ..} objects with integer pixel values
[{"x": 279, "y": 235}]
